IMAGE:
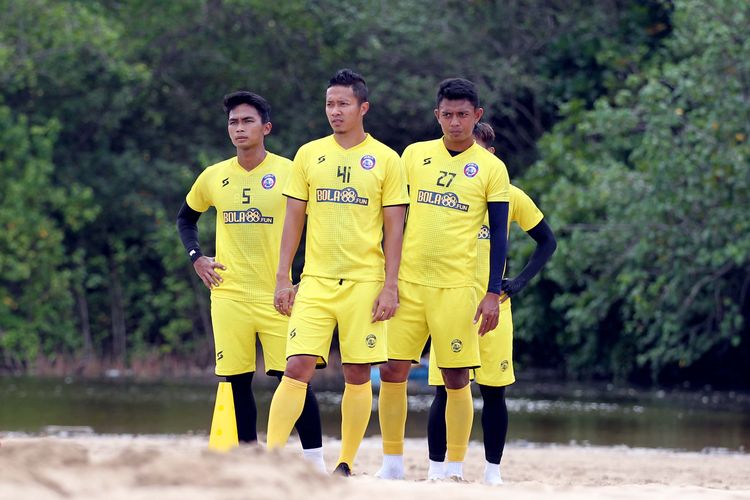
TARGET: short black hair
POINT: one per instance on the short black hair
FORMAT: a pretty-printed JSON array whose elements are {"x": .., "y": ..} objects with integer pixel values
[
  {"x": 348, "y": 78},
  {"x": 484, "y": 133},
  {"x": 234, "y": 99},
  {"x": 456, "y": 89}
]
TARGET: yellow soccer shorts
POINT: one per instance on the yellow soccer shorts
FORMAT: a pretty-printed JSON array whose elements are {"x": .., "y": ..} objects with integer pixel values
[
  {"x": 236, "y": 325},
  {"x": 444, "y": 314},
  {"x": 495, "y": 353},
  {"x": 321, "y": 304}
]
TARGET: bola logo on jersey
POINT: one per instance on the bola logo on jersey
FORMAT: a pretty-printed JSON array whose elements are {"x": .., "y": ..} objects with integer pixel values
[
  {"x": 471, "y": 169},
  {"x": 268, "y": 181},
  {"x": 367, "y": 162},
  {"x": 347, "y": 196},
  {"x": 447, "y": 200},
  {"x": 484, "y": 233},
  {"x": 249, "y": 216}
]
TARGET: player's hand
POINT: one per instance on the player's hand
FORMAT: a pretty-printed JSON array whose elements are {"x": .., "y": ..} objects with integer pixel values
[
  {"x": 283, "y": 296},
  {"x": 386, "y": 304},
  {"x": 489, "y": 312},
  {"x": 206, "y": 267},
  {"x": 511, "y": 287}
]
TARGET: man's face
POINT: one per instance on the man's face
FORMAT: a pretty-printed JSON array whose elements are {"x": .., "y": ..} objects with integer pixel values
[
  {"x": 457, "y": 119},
  {"x": 343, "y": 110},
  {"x": 245, "y": 127}
]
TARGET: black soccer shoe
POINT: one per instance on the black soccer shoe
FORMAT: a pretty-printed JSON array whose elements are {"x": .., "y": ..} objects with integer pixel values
[{"x": 342, "y": 470}]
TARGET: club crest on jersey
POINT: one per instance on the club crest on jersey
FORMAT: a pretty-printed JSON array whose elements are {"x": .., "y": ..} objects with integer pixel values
[
  {"x": 268, "y": 181},
  {"x": 347, "y": 196},
  {"x": 456, "y": 345},
  {"x": 367, "y": 162},
  {"x": 447, "y": 200},
  {"x": 484, "y": 233},
  {"x": 471, "y": 169},
  {"x": 371, "y": 340},
  {"x": 249, "y": 216}
]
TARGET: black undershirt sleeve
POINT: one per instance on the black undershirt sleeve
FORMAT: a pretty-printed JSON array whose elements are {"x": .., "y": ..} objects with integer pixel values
[
  {"x": 498, "y": 215},
  {"x": 187, "y": 226},
  {"x": 545, "y": 247}
]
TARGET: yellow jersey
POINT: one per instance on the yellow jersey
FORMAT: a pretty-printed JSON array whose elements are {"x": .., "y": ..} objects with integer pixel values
[
  {"x": 250, "y": 212},
  {"x": 345, "y": 191},
  {"x": 448, "y": 202},
  {"x": 523, "y": 211}
]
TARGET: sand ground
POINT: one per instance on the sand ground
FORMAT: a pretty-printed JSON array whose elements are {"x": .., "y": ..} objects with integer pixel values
[{"x": 180, "y": 467}]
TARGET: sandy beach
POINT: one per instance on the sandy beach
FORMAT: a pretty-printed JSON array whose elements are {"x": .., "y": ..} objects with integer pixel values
[{"x": 181, "y": 467}]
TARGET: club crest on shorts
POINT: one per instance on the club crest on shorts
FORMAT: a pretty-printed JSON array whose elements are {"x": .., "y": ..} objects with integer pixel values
[
  {"x": 371, "y": 340},
  {"x": 471, "y": 169},
  {"x": 367, "y": 162},
  {"x": 504, "y": 365},
  {"x": 456, "y": 345},
  {"x": 268, "y": 181}
]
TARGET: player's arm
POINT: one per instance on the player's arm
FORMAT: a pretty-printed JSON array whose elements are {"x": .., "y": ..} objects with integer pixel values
[
  {"x": 489, "y": 308},
  {"x": 546, "y": 244},
  {"x": 205, "y": 267},
  {"x": 386, "y": 304},
  {"x": 290, "y": 237}
]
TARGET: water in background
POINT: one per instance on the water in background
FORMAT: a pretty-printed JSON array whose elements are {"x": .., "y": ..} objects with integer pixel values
[{"x": 542, "y": 413}]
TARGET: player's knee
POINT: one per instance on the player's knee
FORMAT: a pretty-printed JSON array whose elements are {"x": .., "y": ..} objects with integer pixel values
[
  {"x": 395, "y": 371},
  {"x": 300, "y": 368},
  {"x": 455, "y": 378},
  {"x": 357, "y": 374}
]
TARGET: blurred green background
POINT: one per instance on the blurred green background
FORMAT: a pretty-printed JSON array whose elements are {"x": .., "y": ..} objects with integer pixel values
[{"x": 626, "y": 121}]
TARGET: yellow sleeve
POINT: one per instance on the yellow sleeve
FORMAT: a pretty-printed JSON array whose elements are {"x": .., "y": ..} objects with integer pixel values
[
  {"x": 525, "y": 212},
  {"x": 297, "y": 185},
  {"x": 498, "y": 186},
  {"x": 394, "y": 183},
  {"x": 406, "y": 162},
  {"x": 199, "y": 197}
]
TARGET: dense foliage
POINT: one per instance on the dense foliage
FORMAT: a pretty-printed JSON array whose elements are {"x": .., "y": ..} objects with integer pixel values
[{"x": 627, "y": 121}]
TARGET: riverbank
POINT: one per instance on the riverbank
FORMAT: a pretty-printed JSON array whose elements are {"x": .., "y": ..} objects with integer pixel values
[{"x": 172, "y": 467}]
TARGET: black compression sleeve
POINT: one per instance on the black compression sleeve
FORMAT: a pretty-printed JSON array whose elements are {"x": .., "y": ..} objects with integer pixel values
[
  {"x": 498, "y": 215},
  {"x": 545, "y": 247},
  {"x": 187, "y": 226}
]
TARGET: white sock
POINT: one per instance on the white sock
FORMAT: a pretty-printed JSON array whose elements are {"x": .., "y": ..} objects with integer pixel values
[
  {"x": 436, "y": 471},
  {"x": 454, "y": 470},
  {"x": 492, "y": 474},
  {"x": 393, "y": 467},
  {"x": 315, "y": 457}
]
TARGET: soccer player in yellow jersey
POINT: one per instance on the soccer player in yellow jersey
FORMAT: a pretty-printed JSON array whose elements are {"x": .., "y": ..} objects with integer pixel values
[
  {"x": 496, "y": 347},
  {"x": 453, "y": 182},
  {"x": 354, "y": 191},
  {"x": 246, "y": 191}
]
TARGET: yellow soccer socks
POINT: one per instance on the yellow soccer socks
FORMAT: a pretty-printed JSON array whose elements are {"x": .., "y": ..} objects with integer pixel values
[
  {"x": 286, "y": 407},
  {"x": 392, "y": 407},
  {"x": 356, "y": 407},
  {"x": 459, "y": 415}
]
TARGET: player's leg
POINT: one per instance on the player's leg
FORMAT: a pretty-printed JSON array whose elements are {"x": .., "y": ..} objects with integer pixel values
[
  {"x": 407, "y": 336},
  {"x": 309, "y": 340},
  {"x": 495, "y": 429},
  {"x": 496, "y": 372},
  {"x": 450, "y": 317},
  {"x": 362, "y": 343},
  {"x": 436, "y": 440},
  {"x": 234, "y": 338}
]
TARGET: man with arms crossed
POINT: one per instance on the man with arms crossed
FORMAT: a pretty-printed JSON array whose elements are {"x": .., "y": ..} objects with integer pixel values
[
  {"x": 246, "y": 191},
  {"x": 354, "y": 191},
  {"x": 496, "y": 347},
  {"x": 452, "y": 184}
]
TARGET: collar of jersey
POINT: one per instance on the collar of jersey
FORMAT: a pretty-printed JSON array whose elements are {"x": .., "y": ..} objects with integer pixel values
[
  {"x": 261, "y": 166},
  {"x": 361, "y": 144},
  {"x": 448, "y": 154}
]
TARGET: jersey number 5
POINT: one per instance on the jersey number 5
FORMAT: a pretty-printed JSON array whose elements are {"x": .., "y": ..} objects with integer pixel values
[
  {"x": 246, "y": 196},
  {"x": 445, "y": 178}
]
